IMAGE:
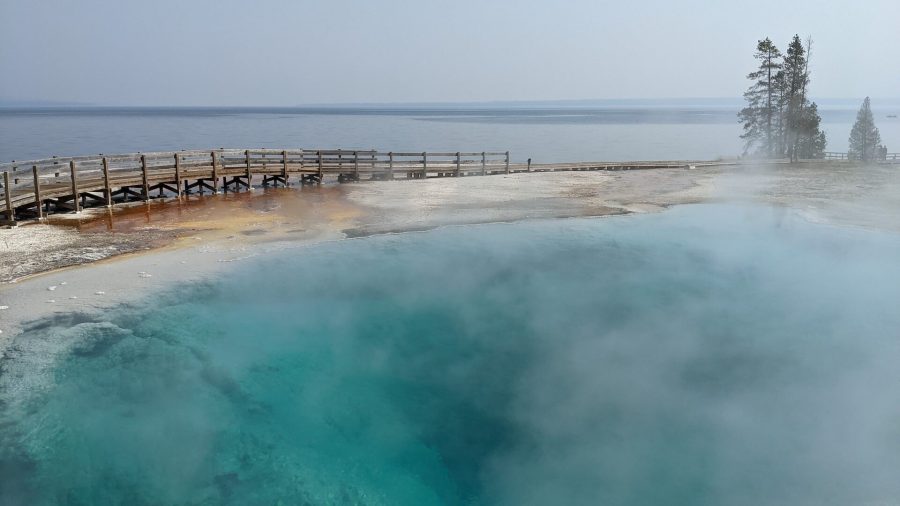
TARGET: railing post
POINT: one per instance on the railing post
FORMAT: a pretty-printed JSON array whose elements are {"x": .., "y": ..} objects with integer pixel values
[
  {"x": 424, "y": 164},
  {"x": 10, "y": 214},
  {"x": 247, "y": 169},
  {"x": 391, "y": 165},
  {"x": 319, "y": 160},
  {"x": 302, "y": 156},
  {"x": 457, "y": 164},
  {"x": 483, "y": 163},
  {"x": 507, "y": 162},
  {"x": 74, "y": 177},
  {"x": 177, "y": 175},
  {"x": 356, "y": 165},
  {"x": 107, "y": 191},
  {"x": 146, "y": 183},
  {"x": 37, "y": 192},
  {"x": 215, "y": 173},
  {"x": 284, "y": 175}
]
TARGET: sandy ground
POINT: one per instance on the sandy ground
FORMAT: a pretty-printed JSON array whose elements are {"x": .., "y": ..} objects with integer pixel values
[
  {"x": 356, "y": 209},
  {"x": 425, "y": 204},
  {"x": 198, "y": 237}
]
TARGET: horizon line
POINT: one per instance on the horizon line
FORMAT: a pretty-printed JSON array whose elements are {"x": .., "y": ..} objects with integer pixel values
[{"x": 48, "y": 104}]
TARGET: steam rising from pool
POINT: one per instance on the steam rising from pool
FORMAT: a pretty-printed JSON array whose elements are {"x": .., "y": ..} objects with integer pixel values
[{"x": 710, "y": 354}]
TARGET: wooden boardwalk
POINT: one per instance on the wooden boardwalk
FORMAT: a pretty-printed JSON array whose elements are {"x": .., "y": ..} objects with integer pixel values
[
  {"x": 34, "y": 188},
  {"x": 888, "y": 157}
]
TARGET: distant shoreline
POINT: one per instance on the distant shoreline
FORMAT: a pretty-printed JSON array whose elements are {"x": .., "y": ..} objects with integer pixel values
[{"x": 731, "y": 102}]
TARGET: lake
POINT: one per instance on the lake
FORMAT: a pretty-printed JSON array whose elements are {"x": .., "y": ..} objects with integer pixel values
[{"x": 545, "y": 133}]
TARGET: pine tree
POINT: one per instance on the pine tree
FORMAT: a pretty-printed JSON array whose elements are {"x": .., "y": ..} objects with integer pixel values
[
  {"x": 780, "y": 130},
  {"x": 801, "y": 136},
  {"x": 796, "y": 79},
  {"x": 865, "y": 140},
  {"x": 759, "y": 117},
  {"x": 811, "y": 140},
  {"x": 779, "y": 119}
]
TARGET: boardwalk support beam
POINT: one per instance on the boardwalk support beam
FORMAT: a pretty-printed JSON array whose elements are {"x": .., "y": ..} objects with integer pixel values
[
  {"x": 107, "y": 191},
  {"x": 215, "y": 174},
  {"x": 319, "y": 159},
  {"x": 74, "y": 177},
  {"x": 177, "y": 175},
  {"x": 37, "y": 192},
  {"x": 10, "y": 212},
  {"x": 145, "y": 189},
  {"x": 247, "y": 173}
]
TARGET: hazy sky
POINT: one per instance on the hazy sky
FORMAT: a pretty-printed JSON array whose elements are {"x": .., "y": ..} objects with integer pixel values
[{"x": 289, "y": 52}]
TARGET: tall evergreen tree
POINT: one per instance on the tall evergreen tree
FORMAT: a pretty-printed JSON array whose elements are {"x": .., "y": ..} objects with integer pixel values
[
  {"x": 796, "y": 78},
  {"x": 811, "y": 140},
  {"x": 865, "y": 140},
  {"x": 779, "y": 119},
  {"x": 759, "y": 117},
  {"x": 780, "y": 136}
]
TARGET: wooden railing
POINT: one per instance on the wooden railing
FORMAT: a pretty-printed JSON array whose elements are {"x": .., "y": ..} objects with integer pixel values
[
  {"x": 888, "y": 157},
  {"x": 68, "y": 183},
  {"x": 36, "y": 187}
]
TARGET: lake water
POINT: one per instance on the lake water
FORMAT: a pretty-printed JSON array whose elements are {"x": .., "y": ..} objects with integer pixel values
[
  {"x": 708, "y": 355},
  {"x": 651, "y": 131}
]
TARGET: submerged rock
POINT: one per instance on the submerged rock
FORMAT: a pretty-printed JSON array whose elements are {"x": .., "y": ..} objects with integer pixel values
[{"x": 96, "y": 338}]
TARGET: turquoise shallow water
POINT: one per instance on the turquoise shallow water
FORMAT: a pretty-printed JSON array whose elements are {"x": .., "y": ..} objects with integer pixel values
[{"x": 710, "y": 354}]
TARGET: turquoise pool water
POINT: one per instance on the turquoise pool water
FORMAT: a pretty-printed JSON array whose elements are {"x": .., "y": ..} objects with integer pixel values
[{"x": 711, "y": 354}]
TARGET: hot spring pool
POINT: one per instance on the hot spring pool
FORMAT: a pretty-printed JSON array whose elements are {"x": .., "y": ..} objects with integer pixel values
[{"x": 710, "y": 354}]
